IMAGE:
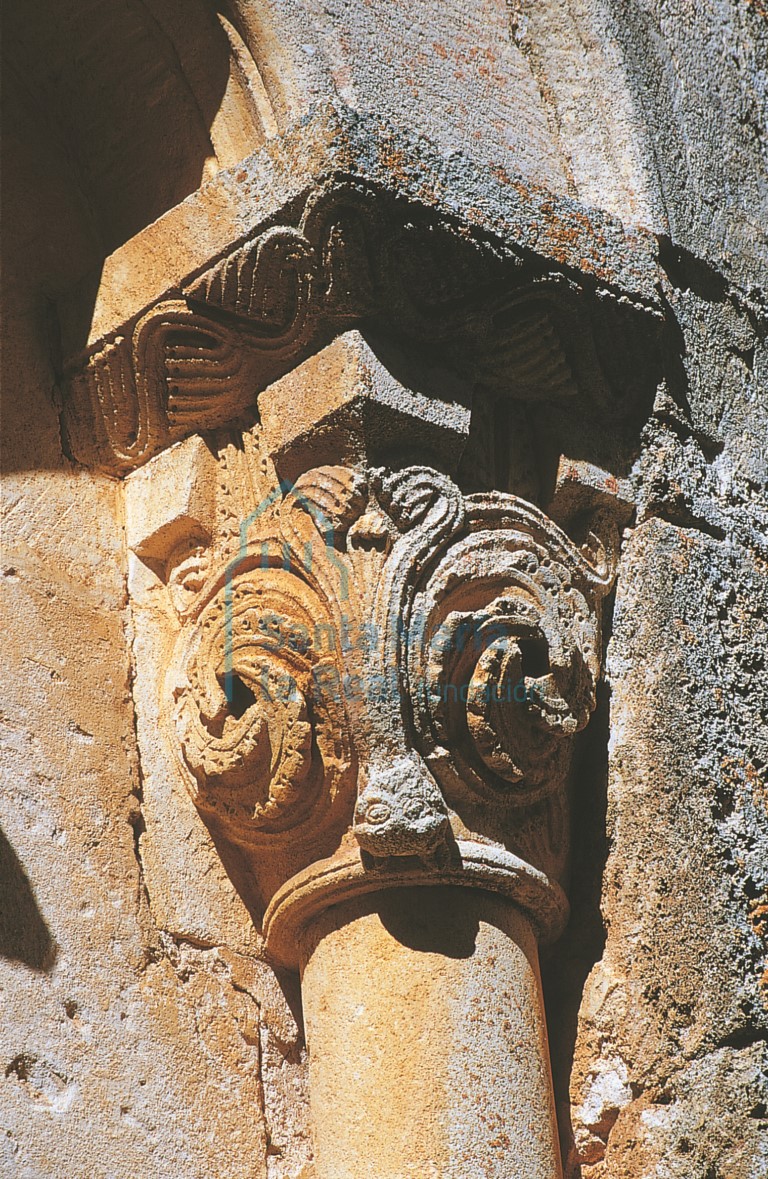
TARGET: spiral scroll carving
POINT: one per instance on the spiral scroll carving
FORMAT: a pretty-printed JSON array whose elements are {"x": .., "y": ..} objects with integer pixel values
[
  {"x": 259, "y": 724},
  {"x": 505, "y": 663}
]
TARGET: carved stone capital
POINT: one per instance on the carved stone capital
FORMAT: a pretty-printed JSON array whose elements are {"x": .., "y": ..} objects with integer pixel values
[
  {"x": 366, "y": 673},
  {"x": 376, "y": 679}
]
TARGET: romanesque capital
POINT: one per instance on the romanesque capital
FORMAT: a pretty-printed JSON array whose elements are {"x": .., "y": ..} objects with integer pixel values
[{"x": 376, "y": 679}]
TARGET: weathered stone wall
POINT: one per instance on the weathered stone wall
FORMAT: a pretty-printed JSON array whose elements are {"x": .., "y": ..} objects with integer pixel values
[
  {"x": 142, "y": 1031},
  {"x": 670, "y": 1051}
]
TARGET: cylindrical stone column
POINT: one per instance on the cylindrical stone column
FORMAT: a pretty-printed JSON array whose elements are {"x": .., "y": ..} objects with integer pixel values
[{"x": 427, "y": 1039}]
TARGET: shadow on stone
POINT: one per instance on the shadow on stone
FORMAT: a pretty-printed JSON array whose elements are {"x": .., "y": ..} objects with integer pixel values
[
  {"x": 425, "y": 919},
  {"x": 24, "y": 936},
  {"x": 567, "y": 966}
]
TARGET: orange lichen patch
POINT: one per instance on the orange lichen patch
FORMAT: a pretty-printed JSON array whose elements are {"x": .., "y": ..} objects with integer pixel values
[
  {"x": 740, "y": 773},
  {"x": 395, "y": 161},
  {"x": 753, "y": 776},
  {"x": 760, "y": 791},
  {"x": 501, "y": 174},
  {"x": 760, "y": 565},
  {"x": 732, "y": 770},
  {"x": 685, "y": 632},
  {"x": 758, "y": 918},
  {"x": 764, "y": 986}
]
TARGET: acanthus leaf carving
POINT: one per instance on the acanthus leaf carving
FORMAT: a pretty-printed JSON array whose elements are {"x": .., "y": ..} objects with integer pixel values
[
  {"x": 507, "y": 659},
  {"x": 257, "y": 721},
  {"x": 448, "y": 669}
]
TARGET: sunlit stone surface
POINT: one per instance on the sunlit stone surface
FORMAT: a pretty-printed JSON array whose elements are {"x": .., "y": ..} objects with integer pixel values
[{"x": 384, "y": 564}]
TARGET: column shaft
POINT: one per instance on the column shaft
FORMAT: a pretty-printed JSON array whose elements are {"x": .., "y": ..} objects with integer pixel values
[{"x": 427, "y": 1039}]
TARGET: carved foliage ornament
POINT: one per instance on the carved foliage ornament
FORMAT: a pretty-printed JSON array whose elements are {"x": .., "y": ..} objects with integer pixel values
[{"x": 439, "y": 650}]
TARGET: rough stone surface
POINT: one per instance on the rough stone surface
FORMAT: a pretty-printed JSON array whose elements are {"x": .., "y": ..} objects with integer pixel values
[
  {"x": 619, "y": 148},
  {"x": 121, "y": 1050},
  {"x": 463, "y": 960},
  {"x": 675, "y": 1010}
]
